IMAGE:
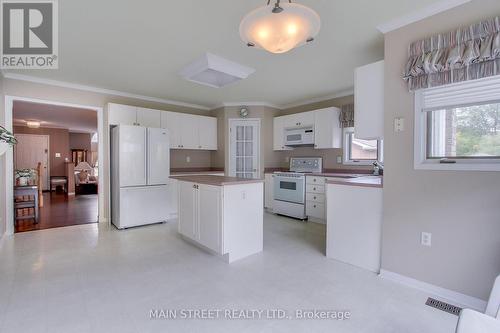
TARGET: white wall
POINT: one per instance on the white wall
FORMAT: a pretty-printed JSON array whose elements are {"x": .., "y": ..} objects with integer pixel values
[{"x": 460, "y": 209}]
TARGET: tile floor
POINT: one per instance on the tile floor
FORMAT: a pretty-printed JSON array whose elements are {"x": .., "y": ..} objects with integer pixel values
[{"x": 88, "y": 278}]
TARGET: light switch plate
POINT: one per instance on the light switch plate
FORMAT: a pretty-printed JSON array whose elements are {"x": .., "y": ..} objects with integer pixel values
[
  {"x": 58, "y": 154},
  {"x": 339, "y": 159},
  {"x": 188, "y": 159},
  {"x": 426, "y": 239},
  {"x": 399, "y": 124}
]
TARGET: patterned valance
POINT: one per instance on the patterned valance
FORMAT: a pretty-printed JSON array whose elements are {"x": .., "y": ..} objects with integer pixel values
[
  {"x": 468, "y": 53},
  {"x": 347, "y": 116}
]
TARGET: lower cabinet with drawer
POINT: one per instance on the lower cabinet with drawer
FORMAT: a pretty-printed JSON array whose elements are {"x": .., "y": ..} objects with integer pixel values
[{"x": 315, "y": 199}]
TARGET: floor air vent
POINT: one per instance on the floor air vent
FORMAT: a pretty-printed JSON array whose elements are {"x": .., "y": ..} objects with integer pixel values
[{"x": 455, "y": 310}]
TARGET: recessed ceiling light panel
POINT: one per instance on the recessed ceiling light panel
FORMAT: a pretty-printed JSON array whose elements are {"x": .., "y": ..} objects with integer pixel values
[{"x": 215, "y": 71}]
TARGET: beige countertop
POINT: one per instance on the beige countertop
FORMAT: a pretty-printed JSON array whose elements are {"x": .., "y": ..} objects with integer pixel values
[
  {"x": 195, "y": 171},
  {"x": 363, "y": 181},
  {"x": 216, "y": 180}
]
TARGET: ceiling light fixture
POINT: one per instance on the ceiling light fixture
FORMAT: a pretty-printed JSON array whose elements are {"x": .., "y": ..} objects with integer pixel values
[
  {"x": 281, "y": 27},
  {"x": 32, "y": 124}
]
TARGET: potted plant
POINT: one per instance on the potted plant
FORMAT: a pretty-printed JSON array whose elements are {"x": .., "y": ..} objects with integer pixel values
[
  {"x": 24, "y": 175},
  {"x": 7, "y": 139}
]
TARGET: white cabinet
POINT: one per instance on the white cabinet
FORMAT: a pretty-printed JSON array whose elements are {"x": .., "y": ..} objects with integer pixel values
[
  {"x": 226, "y": 219},
  {"x": 200, "y": 214},
  {"x": 207, "y": 130},
  {"x": 209, "y": 216},
  {"x": 188, "y": 209},
  {"x": 189, "y": 131},
  {"x": 268, "y": 191},
  {"x": 122, "y": 114},
  {"x": 279, "y": 134},
  {"x": 327, "y": 131},
  {"x": 297, "y": 120},
  {"x": 171, "y": 121},
  {"x": 119, "y": 114},
  {"x": 369, "y": 101},
  {"x": 148, "y": 117}
]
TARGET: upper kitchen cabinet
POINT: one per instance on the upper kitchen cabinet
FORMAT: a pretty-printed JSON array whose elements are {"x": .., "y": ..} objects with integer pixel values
[
  {"x": 119, "y": 114},
  {"x": 189, "y": 131},
  {"x": 298, "y": 120},
  {"x": 327, "y": 131},
  {"x": 207, "y": 130},
  {"x": 369, "y": 101},
  {"x": 122, "y": 114},
  {"x": 279, "y": 134},
  {"x": 148, "y": 117}
]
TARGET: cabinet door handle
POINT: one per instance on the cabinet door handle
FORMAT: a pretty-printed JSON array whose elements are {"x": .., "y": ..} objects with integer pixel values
[
  {"x": 314, "y": 188},
  {"x": 314, "y": 180},
  {"x": 314, "y": 206},
  {"x": 314, "y": 198}
]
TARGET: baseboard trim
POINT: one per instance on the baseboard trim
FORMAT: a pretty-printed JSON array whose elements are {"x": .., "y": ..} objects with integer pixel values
[{"x": 454, "y": 297}]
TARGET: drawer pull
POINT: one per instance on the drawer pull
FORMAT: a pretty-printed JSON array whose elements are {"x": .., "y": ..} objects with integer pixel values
[
  {"x": 314, "y": 188},
  {"x": 314, "y": 197},
  {"x": 314, "y": 180},
  {"x": 314, "y": 206}
]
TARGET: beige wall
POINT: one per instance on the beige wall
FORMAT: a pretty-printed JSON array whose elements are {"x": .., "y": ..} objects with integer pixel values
[
  {"x": 460, "y": 209},
  {"x": 198, "y": 159},
  {"x": 81, "y": 141},
  {"x": 329, "y": 155},
  {"x": 268, "y": 158},
  {"x": 66, "y": 95},
  {"x": 58, "y": 143}
]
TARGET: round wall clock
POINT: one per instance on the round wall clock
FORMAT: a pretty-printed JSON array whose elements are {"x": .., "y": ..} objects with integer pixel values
[{"x": 244, "y": 112}]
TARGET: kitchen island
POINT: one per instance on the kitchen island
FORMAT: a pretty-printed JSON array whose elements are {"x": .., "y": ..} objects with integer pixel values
[
  {"x": 223, "y": 215},
  {"x": 354, "y": 221}
]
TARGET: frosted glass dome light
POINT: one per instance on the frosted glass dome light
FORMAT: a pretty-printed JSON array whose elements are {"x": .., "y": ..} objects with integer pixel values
[{"x": 281, "y": 27}]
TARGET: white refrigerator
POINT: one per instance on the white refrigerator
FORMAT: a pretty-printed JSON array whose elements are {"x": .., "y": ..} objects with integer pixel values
[{"x": 140, "y": 171}]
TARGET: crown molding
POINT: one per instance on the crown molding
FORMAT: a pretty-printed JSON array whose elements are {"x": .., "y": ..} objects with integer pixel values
[
  {"x": 431, "y": 10},
  {"x": 232, "y": 104},
  {"x": 339, "y": 94},
  {"x": 20, "y": 77}
]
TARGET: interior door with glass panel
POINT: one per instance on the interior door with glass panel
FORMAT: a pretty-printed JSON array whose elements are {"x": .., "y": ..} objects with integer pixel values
[{"x": 244, "y": 148}]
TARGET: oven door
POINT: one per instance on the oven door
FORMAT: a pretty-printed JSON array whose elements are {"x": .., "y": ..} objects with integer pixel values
[{"x": 290, "y": 189}]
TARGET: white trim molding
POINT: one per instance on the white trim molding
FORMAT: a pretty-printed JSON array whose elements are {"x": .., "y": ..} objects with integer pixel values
[
  {"x": 343, "y": 93},
  {"x": 242, "y": 104},
  {"x": 454, "y": 297},
  {"x": 21, "y": 77},
  {"x": 421, "y": 14}
]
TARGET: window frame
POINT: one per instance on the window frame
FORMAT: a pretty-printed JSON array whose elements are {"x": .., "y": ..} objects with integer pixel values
[
  {"x": 423, "y": 162},
  {"x": 347, "y": 132}
]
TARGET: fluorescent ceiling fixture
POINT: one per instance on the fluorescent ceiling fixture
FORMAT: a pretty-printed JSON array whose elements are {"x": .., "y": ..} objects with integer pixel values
[
  {"x": 281, "y": 27},
  {"x": 32, "y": 124},
  {"x": 214, "y": 71}
]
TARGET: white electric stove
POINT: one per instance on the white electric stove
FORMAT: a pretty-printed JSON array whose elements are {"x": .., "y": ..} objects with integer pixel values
[{"x": 290, "y": 187}]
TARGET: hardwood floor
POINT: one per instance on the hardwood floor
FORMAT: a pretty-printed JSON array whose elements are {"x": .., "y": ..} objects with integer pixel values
[{"x": 60, "y": 210}]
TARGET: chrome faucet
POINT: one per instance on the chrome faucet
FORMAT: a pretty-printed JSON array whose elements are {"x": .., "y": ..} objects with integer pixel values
[{"x": 377, "y": 168}]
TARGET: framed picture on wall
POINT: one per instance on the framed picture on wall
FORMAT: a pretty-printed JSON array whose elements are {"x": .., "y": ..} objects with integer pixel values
[{"x": 78, "y": 155}]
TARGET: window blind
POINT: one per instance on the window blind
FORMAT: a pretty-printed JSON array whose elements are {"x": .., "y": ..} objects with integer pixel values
[{"x": 462, "y": 94}]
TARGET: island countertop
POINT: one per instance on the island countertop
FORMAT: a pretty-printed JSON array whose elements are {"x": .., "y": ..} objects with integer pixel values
[
  {"x": 364, "y": 181},
  {"x": 216, "y": 180}
]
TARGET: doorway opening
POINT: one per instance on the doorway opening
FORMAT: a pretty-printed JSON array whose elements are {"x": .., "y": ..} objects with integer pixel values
[{"x": 55, "y": 163}]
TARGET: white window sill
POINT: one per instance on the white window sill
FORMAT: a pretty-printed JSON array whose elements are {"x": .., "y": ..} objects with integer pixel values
[
  {"x": 459, "y": 166},
  {"x": 361, "y": 163}
]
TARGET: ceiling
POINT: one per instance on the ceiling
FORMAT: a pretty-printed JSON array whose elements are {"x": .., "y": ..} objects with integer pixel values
[
  {"x": 140, "y": 46},
  {"x": 76, "y": 120}
]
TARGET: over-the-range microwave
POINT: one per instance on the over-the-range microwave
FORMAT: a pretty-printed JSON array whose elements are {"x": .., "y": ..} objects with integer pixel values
[{"x": 299, "y": 136}]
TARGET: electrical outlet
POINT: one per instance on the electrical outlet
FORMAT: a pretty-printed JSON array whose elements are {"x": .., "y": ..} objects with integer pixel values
[
  {"x": 339, "y": 159},
  {"x": 188, "y": 159},
  {"x": 426, "y": 239}
]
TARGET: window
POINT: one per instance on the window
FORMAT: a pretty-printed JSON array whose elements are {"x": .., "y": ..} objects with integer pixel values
[
  {"x": 361, "y": 152},
  {"x": 457, "y": 127}
]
